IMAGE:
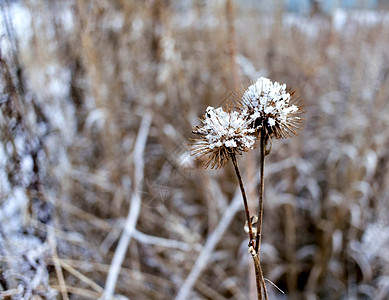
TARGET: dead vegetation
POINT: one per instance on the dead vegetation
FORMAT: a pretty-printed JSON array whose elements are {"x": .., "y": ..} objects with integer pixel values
[{"x": 98, "y": 102}]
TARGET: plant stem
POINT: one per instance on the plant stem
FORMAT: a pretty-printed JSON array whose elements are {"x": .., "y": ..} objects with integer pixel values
[
  {"x": 263, "y": 280},
  {"x": 260, "y": 208},
  {"x": 258, "y": 276},
  {"x": 261, "y": 189},
  {"x": 258, "y": 271},
  {"x": 246, "y": 207}
]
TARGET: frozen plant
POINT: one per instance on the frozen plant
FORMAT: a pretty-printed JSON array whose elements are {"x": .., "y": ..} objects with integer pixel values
[
  {"x": 223, "y": 134},
  {"x": 265, "y": 110},
  {"x": 270, "y": 108},
  {"x": 273, "y": 111}
]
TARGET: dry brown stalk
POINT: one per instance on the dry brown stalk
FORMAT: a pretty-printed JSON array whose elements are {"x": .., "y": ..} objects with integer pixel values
[
  {"x": 121, "y": 58},
  {"x": 246, "y": 207},
  {"x": 260, "y": 208},
  {"x": 257, "y": 264}
]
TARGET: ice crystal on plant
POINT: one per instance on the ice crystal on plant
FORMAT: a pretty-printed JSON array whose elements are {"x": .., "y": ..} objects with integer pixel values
[
  {"x": 222, "y": 134},
  {"x": 270, "y": 108}
]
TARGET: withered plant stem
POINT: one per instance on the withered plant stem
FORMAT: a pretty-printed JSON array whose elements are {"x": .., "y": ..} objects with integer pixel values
[
  {"x": 261, "y": 190},
  {"x": 246, "y": 207},
  {"x": 260, "y": 205},
  {"x": 258, "y": 276},
  {"x": 257, "y": 265}
]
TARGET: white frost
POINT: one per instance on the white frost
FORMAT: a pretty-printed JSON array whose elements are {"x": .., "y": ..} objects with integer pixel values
[
  {"x": 230, "y": 143},
  {"x": 267, "y": 99},
  {"x": 226, "y": 129}
]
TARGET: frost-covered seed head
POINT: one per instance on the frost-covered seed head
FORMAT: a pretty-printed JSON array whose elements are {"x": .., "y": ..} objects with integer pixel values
[
  {"x": 222, "y": 134},
  {"x": 270, "y": 107}
]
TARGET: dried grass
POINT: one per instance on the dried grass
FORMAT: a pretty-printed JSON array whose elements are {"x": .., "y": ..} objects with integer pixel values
[{"x": 71, "y": 106}]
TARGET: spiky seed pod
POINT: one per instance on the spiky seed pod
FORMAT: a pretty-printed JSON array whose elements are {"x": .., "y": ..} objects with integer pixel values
[
  {"x": 270, "y": 108},
  {"x": 222, "y": 134}
]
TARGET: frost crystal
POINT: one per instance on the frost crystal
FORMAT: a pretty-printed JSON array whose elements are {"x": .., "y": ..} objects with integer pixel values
[
  {"x": 222, "y": 134},
  {"x": 267, "y": 106}
]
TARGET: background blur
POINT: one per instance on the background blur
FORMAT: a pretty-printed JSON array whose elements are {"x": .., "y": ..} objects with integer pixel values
[{"x": 85, "y": 83}]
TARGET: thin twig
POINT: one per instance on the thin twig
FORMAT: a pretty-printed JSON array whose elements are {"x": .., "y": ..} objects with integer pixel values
[
  {"x": 273, "y": 284},
  {"x": 209, "y": 247},
  {"x": 258, "y": 274},
  {"x": 57, "y": 265},
  {"x": 262, "y": 279},
  {"x": 78, "y": 291},
  {"x": 260, "y": 208},
  {"x": 162, "y": 242},
  {"x": 257, "y": 264},
  {"x": 81, "y": 277},
  {"x": 246, "y": 207},
  {"x": 261, "y": 190},
  {"x": 134, "y": 211},
  {"x": 136, "y": 277}
]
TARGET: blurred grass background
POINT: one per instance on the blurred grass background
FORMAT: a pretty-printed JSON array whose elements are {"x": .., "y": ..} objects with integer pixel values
[{"x": 78, "y": 78}]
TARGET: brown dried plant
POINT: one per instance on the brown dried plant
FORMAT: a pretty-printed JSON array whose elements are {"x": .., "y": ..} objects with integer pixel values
[
  {"x": 86, "y": 74},
  {"x": 265, "y": 110}
]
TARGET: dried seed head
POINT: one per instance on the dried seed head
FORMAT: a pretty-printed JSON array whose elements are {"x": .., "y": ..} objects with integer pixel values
[
  {"x": 222, "y": 134},
  {"x": 270, "y": 108}
]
